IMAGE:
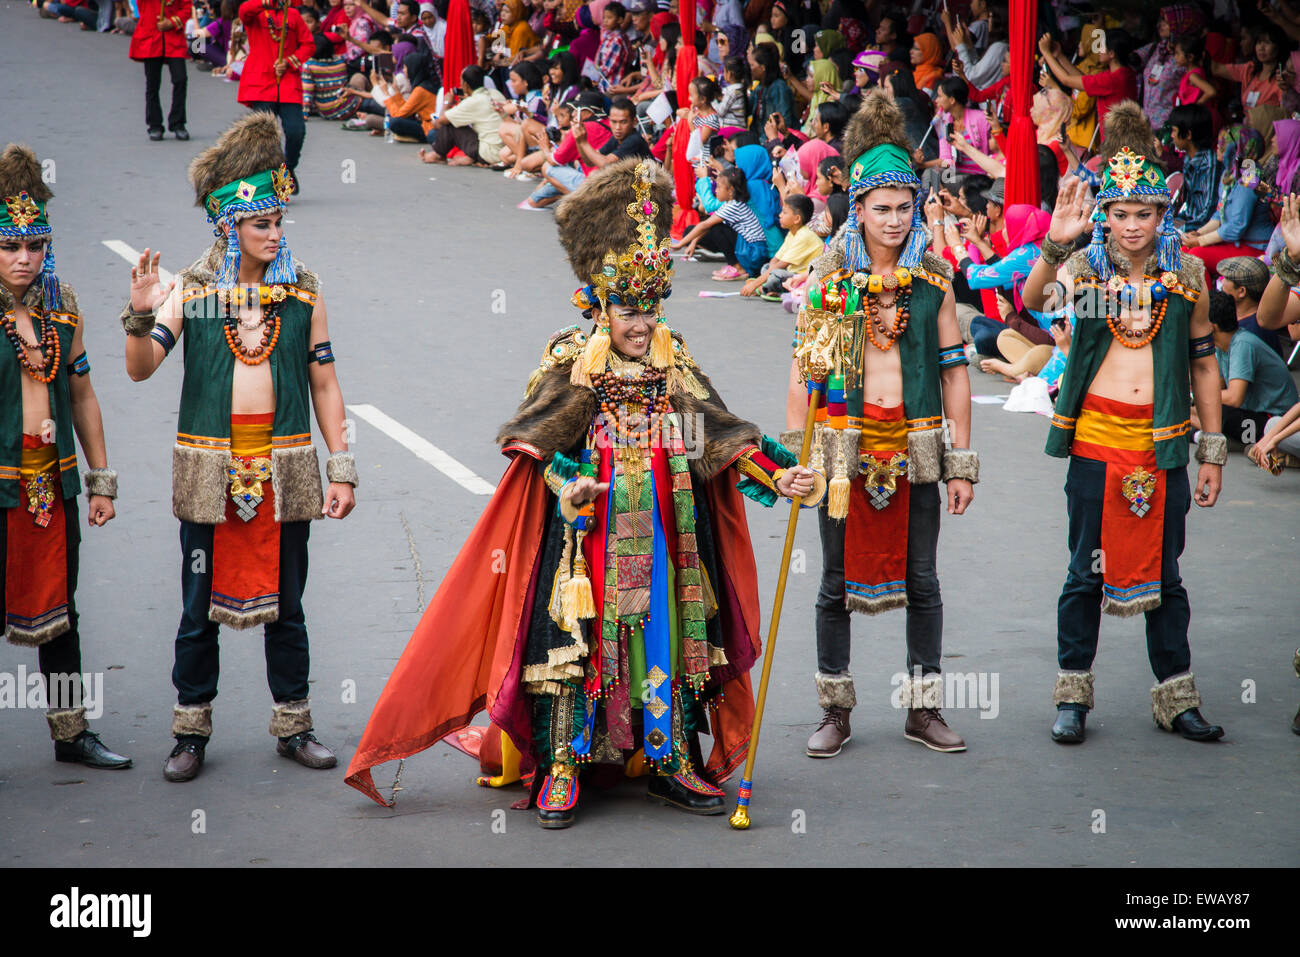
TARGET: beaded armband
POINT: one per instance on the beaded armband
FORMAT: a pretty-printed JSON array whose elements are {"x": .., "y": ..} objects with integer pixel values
[
  {"x": 950, "y": 356},
  {"x": 163, "y": 336},
  {"x": 322, "y": 353},
  {"x": 1054, "y": 253},
  {"x": 1287, "y": 269},
  {"x": 1212, "y": 448},
  {"x": 138, "y": 324},
  {"x": 101, "y": 482},
  {"x": 341, "y": 467},
  {"x": 79, "y": 365},
  {"x": 961, "y": 464},
  {"x": 1200, "y": 347},
  {"x": 759, "y": 467}
]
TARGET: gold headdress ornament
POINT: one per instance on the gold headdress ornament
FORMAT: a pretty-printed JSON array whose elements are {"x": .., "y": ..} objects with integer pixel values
[{"x": 622, "y": 259}]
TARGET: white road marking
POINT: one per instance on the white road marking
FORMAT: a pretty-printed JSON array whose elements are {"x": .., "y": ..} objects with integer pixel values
[
  {"x": 133, "y": 256},
  {"x": 423, "y": 449}
]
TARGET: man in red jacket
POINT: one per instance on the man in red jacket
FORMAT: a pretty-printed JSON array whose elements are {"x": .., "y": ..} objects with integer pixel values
[
  {"x": 159, "y": 38},
  {"x": 279, "y": 43}
]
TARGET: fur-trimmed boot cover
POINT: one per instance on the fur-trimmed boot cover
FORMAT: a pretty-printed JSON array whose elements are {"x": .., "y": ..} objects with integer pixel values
[
  {"x": 1172, "y": 697},
  {"x": 1073, "y": 687},
  {"x": 66, "y": 724},
  {"x": 836, "y": 691},
  {"x": 193, "y": 719},
  {"x": 290, "y": 717}
]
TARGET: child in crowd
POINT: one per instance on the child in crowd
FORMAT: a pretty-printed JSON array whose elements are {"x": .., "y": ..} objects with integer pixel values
[
  {"x": 733, "y": 108},
  {"x": 796, "y": 254},
  {"x": 525, "y": 86},
  {"x": 325, "y": 90},
  {"x": 703, "y": 92},
  {"x": 732, "y": 229}
]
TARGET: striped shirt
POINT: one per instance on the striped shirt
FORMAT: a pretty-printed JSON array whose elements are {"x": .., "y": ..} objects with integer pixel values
[{"x": 741, "y": 218}]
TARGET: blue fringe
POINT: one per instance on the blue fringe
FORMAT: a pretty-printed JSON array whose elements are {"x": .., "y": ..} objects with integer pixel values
[
  {"x": 50, "y": 281},
  {"x": 917, "y": 240},
  {"x": 230, "y": 264},
  {"x": 281, "y": 270},
  {"x": 1097, "y": 258},
  {"x": 1169, "y": 247}
]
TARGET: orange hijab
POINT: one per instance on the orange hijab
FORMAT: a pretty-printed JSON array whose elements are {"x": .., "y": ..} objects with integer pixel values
[
  {"x": 929, "y": 71},
  {"x": 519, "y": 35}
]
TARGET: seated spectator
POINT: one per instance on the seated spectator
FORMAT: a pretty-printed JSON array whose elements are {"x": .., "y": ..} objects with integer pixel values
[
  {"x": 1242, "y": 225},
  {"x": 927, "y": 62},
  {"x": 1192, "y": 134},
  {"x": 733, "y": 108},
  {"x": 558, "y": 171},
  {"x": 471, "y": 125},
  {"x": 704, "y": 119},
  {"x": 957, "y": 122},
  {"x": 210, "y": 43},
  {"x": 1244, "y": 279},
  {"x": 1256, "y": 382},
  {"x": 732, "y": 230},
  {"x": 796, "y": 254},
  {"x": 433, "y": 29},
  {"x": 356, "y": 29},
  {"x": 987, "y": 70},
  {"x": 770, "y": 96},
  {"x": 1114, "y": 83},
  {"x": 527, "y": 104},
  {"x": 411, "y": 117},
  {"x": 623, "y": 141},
  {"x": 325, "y": 90}
]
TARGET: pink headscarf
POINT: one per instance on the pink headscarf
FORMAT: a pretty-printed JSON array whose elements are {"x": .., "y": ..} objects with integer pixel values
[
  {"x": 1288, "y": 153},
  {"x": 1025, "y": 224},
  {"x": 810, "y": 156}
]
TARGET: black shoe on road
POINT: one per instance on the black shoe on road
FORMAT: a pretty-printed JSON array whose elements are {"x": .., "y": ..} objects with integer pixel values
[{"x": 87, "y": 749}]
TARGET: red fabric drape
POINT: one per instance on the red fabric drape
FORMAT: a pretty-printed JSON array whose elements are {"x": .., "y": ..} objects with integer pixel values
[
  {"x": 682, "y": 172},
  {"x": 1022, "y": 144},
  {"x": 458, "y": 51}
]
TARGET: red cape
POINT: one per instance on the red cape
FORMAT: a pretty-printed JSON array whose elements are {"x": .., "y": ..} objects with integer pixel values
[{"x": 466, "y": 653}]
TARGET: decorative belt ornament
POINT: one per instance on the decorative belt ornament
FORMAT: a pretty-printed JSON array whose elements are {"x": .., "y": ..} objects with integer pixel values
[
  {"x": 1138, "y": 487},
  {"x": 246, "y": 478},
  {"x": 40, "y": 497},
  {"x": 882, "y": 478}
]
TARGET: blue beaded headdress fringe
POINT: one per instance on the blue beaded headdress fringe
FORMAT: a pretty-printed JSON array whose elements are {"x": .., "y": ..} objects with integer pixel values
[{"x": 855, "y": 251}]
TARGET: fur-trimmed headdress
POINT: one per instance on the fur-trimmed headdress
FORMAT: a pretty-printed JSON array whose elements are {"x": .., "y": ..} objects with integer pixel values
[
  {"x": 1131, "y": 176},
  {"x": 615, "y": 230},
  {"x": 243, "y": 174},
  {"x": 880, "y": 154},
  {"x": 24, "y": 195}
]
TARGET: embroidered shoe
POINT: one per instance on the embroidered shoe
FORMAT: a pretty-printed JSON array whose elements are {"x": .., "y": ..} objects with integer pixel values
[
  {"x": 558, "y": 797},
  {"x": 688, "y": 791}
]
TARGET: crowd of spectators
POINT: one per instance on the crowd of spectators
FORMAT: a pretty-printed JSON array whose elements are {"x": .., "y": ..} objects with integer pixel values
[{"x": 558, "y": 88}]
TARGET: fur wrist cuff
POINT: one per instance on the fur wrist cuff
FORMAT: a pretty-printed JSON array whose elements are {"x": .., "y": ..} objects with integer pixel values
[
  {"x": 1287, "y": 269},
  {"x": 342, "y": 467},
  {"x": 1212, "y": 448},
  {"x": 101, "y": 482},
  {"x": 138, "y": 324},
  {"x": 961, "y": 464},
  {"x": 1054, "y": 253}
]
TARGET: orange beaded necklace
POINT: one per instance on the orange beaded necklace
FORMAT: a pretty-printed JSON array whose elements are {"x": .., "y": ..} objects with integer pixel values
[{"x": 49, "y": 343}]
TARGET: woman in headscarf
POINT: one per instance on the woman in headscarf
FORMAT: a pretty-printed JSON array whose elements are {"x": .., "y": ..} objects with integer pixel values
[
  {"x": 1287, "y": 133},
  {"x": 810, "y": 156},
  {"x": 411, "y": 115},
  {"x": 513, "y": 35},
  {"x": 927, "y": 62},
  {"x": 1082, "y": 127},
  {"x": 1161, "y": 75},
  {"x": 587, "y": 42},
  {"x": 820, "y": 71}
]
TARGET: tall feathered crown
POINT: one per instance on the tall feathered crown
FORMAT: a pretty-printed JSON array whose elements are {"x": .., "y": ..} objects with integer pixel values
[
  {"x": 23, "y": 198},
  {"x": 880, "y": 154},
  {"x": 615, "y": 230},
  {"x": 243, "y": 174},
  {"x": 1131, "y": 175}
]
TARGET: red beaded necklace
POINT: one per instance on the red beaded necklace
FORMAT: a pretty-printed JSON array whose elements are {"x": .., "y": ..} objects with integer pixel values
[
  {"x": 617, "y": 393},
  {"x": 49, "y": 344}
]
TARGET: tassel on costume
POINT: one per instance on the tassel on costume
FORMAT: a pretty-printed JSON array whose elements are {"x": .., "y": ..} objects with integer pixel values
[
  {"x": 917, "y": 241},
  {"x": 1169, "y": 247},
  {"x": 50, "y": 281},
  {"x": 593, "y": 358},
  {"x": 661, "y": 346},
  {"x": 229, "y": 271},
  {"x": 576, "y": 600},
  {"x": 842, "y": 462},
  {"x": 1097, "y": 257},
  {"x": 281, "y": 269}
]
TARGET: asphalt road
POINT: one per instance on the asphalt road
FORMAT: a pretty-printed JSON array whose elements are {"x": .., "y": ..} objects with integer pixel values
[{"x": 441, "y": 295}]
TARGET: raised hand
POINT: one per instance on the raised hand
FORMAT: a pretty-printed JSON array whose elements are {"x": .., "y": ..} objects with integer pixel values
[
  {"x": 1290, "y": 225},
  {"x": 146, "y": 288},
  {"x": 1072, "y": 215}
]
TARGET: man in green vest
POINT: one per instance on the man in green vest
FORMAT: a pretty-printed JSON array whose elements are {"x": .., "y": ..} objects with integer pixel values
[
  {"x": 1141, "y": 336},
  {"x": 45, "y": 397},
  {"x": 245, "y": 478},
  {"x": 881, "y": 329}
]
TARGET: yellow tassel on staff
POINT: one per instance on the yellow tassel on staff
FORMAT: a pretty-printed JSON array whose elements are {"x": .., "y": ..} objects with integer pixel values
[{"x": 740, "y": 817}]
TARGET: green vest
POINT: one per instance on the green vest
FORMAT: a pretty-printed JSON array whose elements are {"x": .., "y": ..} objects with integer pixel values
[
  {"x": 11, "y": 409},
  {"x": 1170, "y": 364},
  {"x": 210, "y": 371}
]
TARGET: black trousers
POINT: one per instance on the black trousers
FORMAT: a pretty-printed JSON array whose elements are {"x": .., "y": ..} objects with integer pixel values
[
  {"x": 295, "y": 128},
  {"x": 288, "y": 660},
  {"x": 721, "y": 239},
  {"x": 1078, "y": 612},
  {"x": 924, "y": 601},
  {"x": 462, "y": 137},
  {"x": 61, "y": 655},
  {"x": 152, "y": 84}
]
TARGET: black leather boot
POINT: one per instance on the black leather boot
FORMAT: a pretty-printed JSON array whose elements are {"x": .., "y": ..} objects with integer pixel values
[
  {"x": 87, "y": 749},
  {"x": 1069, "y": 727},
  {"x": 1193, "y": 727}
]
